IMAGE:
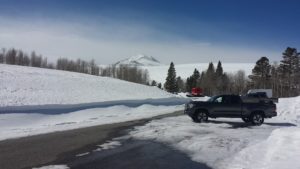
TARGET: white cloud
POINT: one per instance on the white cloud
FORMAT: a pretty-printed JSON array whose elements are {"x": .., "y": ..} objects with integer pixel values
[{"x": 109, "y": 41}]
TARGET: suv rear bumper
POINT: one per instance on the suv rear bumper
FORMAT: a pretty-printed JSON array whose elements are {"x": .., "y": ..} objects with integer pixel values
[{"x": 271, "y": 114}]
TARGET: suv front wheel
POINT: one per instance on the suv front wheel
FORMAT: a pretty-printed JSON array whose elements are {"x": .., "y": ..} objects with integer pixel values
[{"x": 201, "y": 116}]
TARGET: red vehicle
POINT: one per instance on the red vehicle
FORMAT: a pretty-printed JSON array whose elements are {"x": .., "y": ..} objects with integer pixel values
[{"x": 196, "y": 92}]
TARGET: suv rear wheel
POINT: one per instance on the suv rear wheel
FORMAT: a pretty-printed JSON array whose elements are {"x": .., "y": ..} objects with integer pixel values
[
  {"x": 201, "y": 116},
  {"x": 257, "y": 119}
]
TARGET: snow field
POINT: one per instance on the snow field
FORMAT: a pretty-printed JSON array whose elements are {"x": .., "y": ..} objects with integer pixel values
[{"x": 21, "y": 85}]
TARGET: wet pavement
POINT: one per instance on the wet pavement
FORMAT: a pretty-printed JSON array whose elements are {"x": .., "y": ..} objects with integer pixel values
[{"x": 136, "y": 154}]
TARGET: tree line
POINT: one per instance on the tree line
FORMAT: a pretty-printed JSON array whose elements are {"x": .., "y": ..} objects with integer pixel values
[
  {"x": 127, "y": 72},
  {"x": 123, "y": 72},
  {"x": 283, "y": 78},
  {"x": 213, "y": 81}
]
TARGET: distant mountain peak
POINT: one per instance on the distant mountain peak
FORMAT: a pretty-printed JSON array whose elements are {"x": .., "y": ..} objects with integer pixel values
[{"x": 140, "y": 60}]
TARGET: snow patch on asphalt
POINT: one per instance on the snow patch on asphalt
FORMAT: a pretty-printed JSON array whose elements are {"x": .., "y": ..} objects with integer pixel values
[
  {"x": 53, "y": 167},
  {"x": 108, "y": 145},
  {"x": 82, "y": 154}
]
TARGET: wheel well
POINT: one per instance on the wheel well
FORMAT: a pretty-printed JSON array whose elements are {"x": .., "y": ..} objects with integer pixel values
[
  {"x": 258, "y": 111},
  {"x": 198, "y": 110}
]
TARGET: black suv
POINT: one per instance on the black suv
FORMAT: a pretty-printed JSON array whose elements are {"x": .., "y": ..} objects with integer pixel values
[{"x": 231, "y": 106}]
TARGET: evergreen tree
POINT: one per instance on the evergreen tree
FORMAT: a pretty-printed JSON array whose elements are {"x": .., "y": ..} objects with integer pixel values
[
  {"x": 261, "y": 73},
  {"x": 159, "y": 85},
  {"x": 219, "y": 70},
  {"x": 11, "y": 56},
  {"x": 189, "y": 84},
  {"x": 20, "y": 58},
  {"x": 153, "y": 83},
  {"x": 289, "y": 69},
  {"x": 170, "y": 84},
  {"x": 210, "y": 79},
  {"x": 1, "y": 57},
  {"x": 193, "y": 80},
  {"x": 219, "y": 78},
  {"x": 180, "y": 84}
]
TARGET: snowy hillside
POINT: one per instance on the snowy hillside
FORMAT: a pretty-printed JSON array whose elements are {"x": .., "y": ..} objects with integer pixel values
[
  {"x": 35, "y": 86},
  {"x": 159, "y": 73},
  {"x": 140, "y": 60}
]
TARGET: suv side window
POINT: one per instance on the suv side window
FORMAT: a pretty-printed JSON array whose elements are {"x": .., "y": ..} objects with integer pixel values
[
  {"x": 222, "y": 99},
  {"x": 219, "y": 99},
  {"x": 226, "y": 99},
  {"x": 235, "y": 100}
]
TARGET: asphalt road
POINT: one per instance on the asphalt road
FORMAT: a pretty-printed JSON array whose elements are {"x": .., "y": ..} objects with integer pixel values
[
  {"x": 62, "y": 148},
  {"x": 135, "y": 154}
]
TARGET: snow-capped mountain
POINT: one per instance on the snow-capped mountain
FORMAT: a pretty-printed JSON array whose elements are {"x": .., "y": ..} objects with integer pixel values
[{"x": 140, "y": 60}]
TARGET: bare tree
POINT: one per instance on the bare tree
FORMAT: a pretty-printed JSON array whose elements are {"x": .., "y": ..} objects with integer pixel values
[{"x": 239, "y": 80}]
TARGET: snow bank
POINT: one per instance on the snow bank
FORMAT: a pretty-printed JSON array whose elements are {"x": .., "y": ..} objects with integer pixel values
[
  {"x": 279, "y": 151},
  {"x": 35, "y": 86},
  {"x": 289, "y": 109},
  {"x": 68, "y": 108},
  {"x": 23, "y": 124}
]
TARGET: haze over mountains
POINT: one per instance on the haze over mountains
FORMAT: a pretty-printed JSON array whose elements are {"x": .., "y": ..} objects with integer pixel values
[{"x": 158, "y": 71}]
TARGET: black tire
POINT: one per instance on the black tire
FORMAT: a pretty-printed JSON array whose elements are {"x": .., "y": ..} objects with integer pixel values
[
  {"x": 201, "y": 116},
  {"x": 257, "y": 119},
  {"x": 246, "y": 119}
]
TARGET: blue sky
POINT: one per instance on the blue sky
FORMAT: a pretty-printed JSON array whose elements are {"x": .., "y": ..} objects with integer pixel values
[{"x": 170, "y": 30}]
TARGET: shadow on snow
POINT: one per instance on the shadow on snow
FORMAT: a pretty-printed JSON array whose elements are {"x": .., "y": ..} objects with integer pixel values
[
  {"x": 249, "y": 125},
  {"x": 67, "y": 108}
]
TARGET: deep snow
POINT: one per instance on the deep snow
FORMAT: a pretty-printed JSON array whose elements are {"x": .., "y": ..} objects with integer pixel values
[{"x": 36, "y": 86}]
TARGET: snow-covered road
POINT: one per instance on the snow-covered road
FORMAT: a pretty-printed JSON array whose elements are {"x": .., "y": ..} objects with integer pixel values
[
  {"x": 232, "y": 144},
  {"x": 225, "y": 143}
]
